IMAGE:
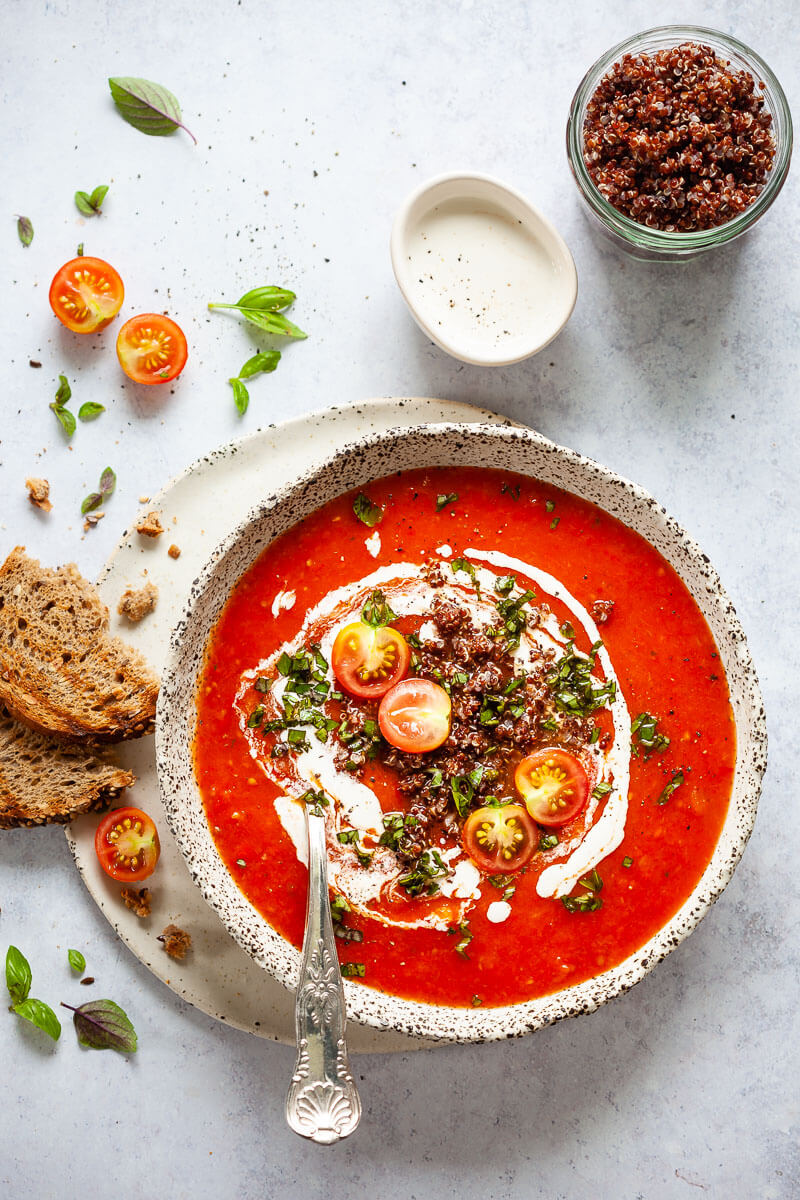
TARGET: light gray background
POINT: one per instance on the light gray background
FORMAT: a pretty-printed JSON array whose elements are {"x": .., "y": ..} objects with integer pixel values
[{"x": 682, "y": 378}]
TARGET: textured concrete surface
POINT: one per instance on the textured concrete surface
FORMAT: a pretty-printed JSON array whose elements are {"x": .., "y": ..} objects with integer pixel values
[{"x": 313, "y": 121}]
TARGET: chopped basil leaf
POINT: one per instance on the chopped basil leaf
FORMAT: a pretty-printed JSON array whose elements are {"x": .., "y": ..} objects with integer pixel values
[
  {"x": 594, "y": 736},
  {"x": 240, "y": 862},
  {"x": 376, "y": 612},
  {"x": 256, "y": 717},
  {"x": 505, "y": 584},
  {"x": 554, "y": 522},
  {"x": 549, "y": 505},
  {"x": 463, "y": 564},
  {"x": 548, "y": 840},
  {"x": 601, "y": 790},
  {"x": 443, "y": 500},
  {"x": 262, "y": 684},
  {"x": 353, "y": 970},
  {"x": 671, "y": 787},
  {"x": 466, "y": 937},
  {"x": 371, "y": 514},
  {"x": 627, "y": 861},
  {"x": 575, "y": 690},
  {"x": 513, "y": 492},
  {"x": 463, "y": 791},
  {"x": 422, "y": 878},
  {"x": 645, "y": 730}
]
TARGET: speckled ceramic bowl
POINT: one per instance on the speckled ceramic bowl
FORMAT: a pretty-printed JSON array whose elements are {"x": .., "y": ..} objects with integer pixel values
[{"x": 528, "y": 453}]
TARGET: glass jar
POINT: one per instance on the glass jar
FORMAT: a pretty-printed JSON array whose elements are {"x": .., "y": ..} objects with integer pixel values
[{"x": 640, "y": 240}]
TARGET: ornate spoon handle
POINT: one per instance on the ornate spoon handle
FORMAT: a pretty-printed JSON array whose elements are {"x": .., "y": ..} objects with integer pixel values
[{"x": 322, "y": 1103}]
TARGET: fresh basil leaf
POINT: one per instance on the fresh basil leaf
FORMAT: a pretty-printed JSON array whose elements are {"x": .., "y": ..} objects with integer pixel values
[
  {"x": 264, "y": 361},
  {"x": 371, "y": 514},
  {"x": 147, "y": 106},
  {"x": 272, "y": 322},
  {"x": 64, "y": 393},
  {"x": 83, "y": 204},
  {"x": 92, "y": 501},
  {"x": 269, "y": 299},
  {"x": 98, "y": 196},
  {"x": 241, "y": 396},
  {"x": 40, "y": 1015},
  {"x": 25, "y": 230},
  {"x": 18, "y": 975},
  {"x": 108, "y": 481},
  {"x": 68, "y": 422},
  {"x": 90, "y": 410},
  {"x": 76, "y": 960},
  {"x": 103, "y": 1025}
]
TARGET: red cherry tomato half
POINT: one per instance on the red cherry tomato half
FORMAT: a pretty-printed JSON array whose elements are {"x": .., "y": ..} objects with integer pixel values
[
  {"x": 127, "y": 845},
  {"x": 368, "y": 661},
  {"x": 500, "y": 839},
  {"x": 151, "y": 348},
  {"x": 553, "y": 785},
  {"x": 415, "y": 715},
  {"x": 86, "y": 293}
]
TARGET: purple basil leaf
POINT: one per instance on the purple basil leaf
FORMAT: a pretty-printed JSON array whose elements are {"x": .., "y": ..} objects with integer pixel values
[{"x": 102, "y": 1025}]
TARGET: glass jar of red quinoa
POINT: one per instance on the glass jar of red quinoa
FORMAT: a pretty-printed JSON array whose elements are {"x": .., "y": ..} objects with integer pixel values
[{"x": 679, "y": 139}]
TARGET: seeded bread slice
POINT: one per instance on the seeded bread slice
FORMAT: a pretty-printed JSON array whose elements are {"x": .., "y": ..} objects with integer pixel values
[
  {"x": 61, "y": 672},
  {"x": 43, "y": 781}
]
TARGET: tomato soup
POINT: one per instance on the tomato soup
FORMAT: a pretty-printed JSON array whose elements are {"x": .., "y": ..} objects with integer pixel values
[{"x": 577, "y": 743}]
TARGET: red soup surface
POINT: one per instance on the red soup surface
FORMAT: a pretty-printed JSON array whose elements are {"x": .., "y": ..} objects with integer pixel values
[{"x": 417, "y": 916}]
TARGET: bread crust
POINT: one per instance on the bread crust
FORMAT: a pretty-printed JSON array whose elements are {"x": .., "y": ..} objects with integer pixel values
[{"x": 61, "y": 672}]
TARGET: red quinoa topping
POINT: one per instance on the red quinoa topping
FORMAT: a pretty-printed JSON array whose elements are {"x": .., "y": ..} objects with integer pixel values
[{"x": 678, "y": 140}]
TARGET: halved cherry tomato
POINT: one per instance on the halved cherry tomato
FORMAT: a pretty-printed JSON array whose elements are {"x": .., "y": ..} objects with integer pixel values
[
  {"x": 127, "y": 845},
  {"x": 500, "y": 839},
  {"x": 415, "y": 715},
  {"x": 86, "y": 293},
  {"x": 553, "y": 785},
  {"x": 368, "y": 661},
  {"x": 151, "y": 348}
]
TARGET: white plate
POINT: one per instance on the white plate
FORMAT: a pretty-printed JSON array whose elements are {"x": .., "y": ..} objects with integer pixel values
[{"x": 199, "y": 508}]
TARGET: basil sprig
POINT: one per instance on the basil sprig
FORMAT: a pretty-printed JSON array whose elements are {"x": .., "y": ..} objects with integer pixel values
[
  {"x": 263, "y": 306},
  {"x": 108, "y": 481},
  {"x": 62, "y": 397},
  {"x": 265, "y": 361},
  {"x": 147, "y": 106},
  {"x": 91, "y": 203},
  {"x": 18, "y": 982}
]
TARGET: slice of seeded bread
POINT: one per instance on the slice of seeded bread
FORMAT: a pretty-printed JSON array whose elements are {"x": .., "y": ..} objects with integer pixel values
[
  {"x": 61, "y": 672},
  {"x": 44, "y": 781}
]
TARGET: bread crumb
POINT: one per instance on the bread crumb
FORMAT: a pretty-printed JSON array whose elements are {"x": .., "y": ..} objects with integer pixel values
[
  {"x": 150, "y": 525},
  {"x": 39, "y": 493},
  {"x": 136, "y": 604},
  {"x": 175, "y": 941},
  {"x": 144, "y": 499},
  {"x": 174, "y": 551},
  {"x": 138, "y": 901}
]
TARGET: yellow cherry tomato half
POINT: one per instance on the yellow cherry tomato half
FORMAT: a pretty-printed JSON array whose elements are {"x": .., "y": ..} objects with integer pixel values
[{"x": 415, "y": 715}]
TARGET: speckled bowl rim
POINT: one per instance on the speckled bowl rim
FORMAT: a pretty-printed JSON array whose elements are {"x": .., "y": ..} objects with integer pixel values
[{"x": 375, "y": 455}]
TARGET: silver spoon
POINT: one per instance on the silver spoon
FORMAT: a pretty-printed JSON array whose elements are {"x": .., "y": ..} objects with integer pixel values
[{"x": 323, "y": 1102}]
